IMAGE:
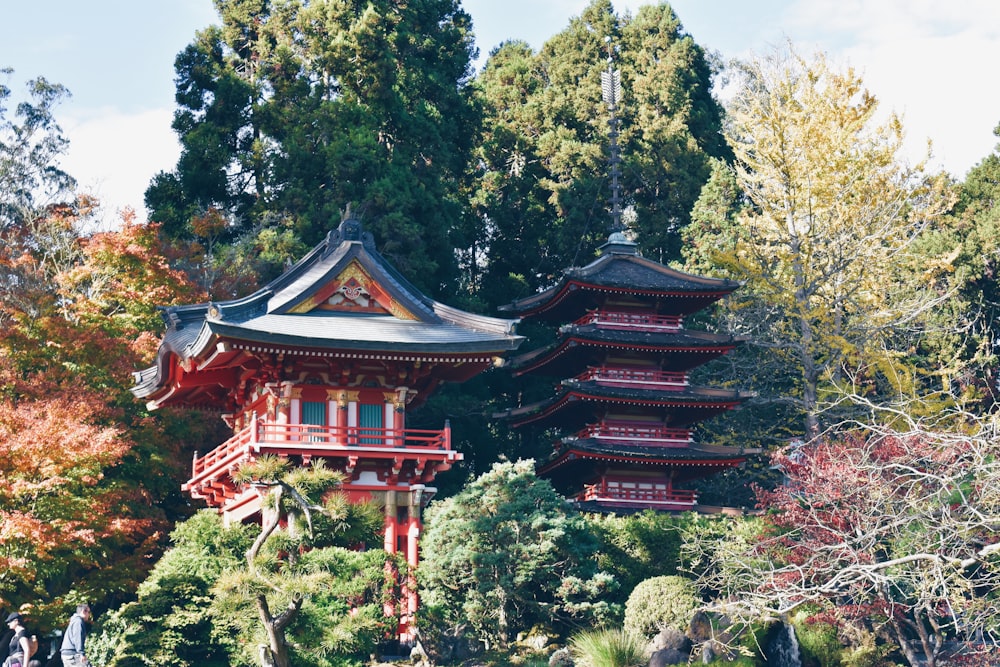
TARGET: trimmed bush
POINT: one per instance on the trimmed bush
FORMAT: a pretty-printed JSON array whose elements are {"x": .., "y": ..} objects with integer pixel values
[{"x": 661, "y": 602}]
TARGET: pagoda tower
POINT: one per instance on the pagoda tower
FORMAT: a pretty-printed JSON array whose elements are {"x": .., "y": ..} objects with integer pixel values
[
  {"x": 624, "y": 410},
  {"x": 325, "y": 361}
]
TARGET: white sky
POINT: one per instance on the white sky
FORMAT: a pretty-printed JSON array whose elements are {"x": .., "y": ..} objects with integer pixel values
[{"x": 932, "y": 62}]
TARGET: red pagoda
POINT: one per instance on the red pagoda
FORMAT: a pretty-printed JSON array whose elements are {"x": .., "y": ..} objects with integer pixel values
[
  {"x": 626, "y": 409},
  {"x": 623, "y": 414},
  {"x": 325, "y": 361}
]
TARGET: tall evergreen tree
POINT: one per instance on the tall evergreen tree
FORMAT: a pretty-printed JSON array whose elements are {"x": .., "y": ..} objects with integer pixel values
[
  {"x": 291, "y": 111},
  {"x": 964, "y": 249},
  {"x": 543, "y": 184},
  {"x": 31, "y": 143}
]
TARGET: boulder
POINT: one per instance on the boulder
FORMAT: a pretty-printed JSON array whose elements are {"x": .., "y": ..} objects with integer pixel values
[
  {"x": 561, "y": 658},
  {"x": 668, "y": 656},
  {"x": 670, "y": 638}
]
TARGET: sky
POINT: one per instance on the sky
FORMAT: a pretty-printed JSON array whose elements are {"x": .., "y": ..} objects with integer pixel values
[{"x": 932, "y": 62}]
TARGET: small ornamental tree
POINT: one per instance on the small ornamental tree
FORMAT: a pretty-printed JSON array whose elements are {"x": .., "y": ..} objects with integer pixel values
[
  {"x": 889, "y": 532},
  {"x": 507, "y": 553},
  {"x": 299, "y": 593}
]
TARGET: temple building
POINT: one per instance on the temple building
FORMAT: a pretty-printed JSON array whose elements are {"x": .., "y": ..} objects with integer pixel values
[
  {"x": 624, "y": 408},
  {"x": 623, "y": 411},
  {"x": 325, "y": 361}
]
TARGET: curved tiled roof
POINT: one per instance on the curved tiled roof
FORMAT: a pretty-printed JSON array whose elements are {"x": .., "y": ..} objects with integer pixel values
[
  {"x": 284, "y": 314},
  {"x": 688, "y": 348},
  {"x": 621, "y": 270},
  {"x": 574, "y": 462},
  {"x": 576, "y": 402}
]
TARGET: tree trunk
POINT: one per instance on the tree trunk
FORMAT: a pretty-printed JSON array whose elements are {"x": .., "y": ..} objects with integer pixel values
[
  {"x": 809, "y": 372},
  {"x": 911, "y": 656},
  {"x": 927, "y": 641},
  {"x": 275, "y": 655}
]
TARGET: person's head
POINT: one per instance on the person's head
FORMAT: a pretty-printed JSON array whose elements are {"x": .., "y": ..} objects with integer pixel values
[
  {"x": 14, "y": 621},
  {"x": 83, "y": 610}
]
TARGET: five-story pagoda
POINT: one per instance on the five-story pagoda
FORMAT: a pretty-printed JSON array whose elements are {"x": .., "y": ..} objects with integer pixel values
[{"x": 624, "y": 411}]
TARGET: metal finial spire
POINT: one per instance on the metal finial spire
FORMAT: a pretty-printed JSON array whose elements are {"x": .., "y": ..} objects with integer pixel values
[{"x": 611, "y": 91}]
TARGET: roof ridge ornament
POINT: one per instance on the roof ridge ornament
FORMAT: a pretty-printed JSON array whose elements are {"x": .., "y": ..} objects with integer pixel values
[{"x": 349, "y": 229}]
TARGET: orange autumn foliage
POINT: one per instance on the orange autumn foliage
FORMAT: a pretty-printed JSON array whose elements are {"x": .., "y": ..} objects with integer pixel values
[{"x": 84, "y": 470}]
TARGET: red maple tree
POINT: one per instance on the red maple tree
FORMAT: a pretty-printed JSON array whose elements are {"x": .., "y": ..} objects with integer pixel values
[
  {"x": 86, "y": 474},
  {"x": 892, "y": 533}
]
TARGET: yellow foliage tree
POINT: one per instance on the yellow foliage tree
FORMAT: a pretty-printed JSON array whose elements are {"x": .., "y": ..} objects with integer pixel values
[{"x": 825, "y": 242}]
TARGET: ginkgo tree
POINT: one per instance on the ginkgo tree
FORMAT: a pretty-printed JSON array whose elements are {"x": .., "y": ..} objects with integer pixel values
[{"x": 825, "y": 240}]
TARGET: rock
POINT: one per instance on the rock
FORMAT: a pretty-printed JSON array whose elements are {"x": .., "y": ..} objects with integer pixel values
[
  {"x": 668, "y": 656},
  {"x": 700, "y": 629},
  {"x": 671, "y": 638},
  {"x": 534, "y": 639},
  {"x": 561, "y": 658},
  {"x": 418, "y": 656}
]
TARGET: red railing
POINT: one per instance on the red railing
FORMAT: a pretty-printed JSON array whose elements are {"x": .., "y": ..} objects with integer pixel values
[
  {"x": 352, "y": 436},
  {"x": 635, "y": 377},
  {"x": 613, "y": 319},
  {"x": 637, "y": 492},
  {"x": 260, "y": 436},
  {"x": 646, "y": 434}
]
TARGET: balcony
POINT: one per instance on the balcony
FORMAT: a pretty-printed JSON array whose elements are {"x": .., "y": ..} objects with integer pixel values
[
  {"x": 210, "y": 473},
  {"x": 613, "y": 319},
  {"x": 636, "y": 433},
  {"x": 638, "y": 495},
  {"x": 635, "y": 378}
]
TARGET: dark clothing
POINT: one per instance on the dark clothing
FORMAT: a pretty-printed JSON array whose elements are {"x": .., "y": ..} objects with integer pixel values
[
  {"x": 15, "y": 656},
  {"x": 74, "y": 640},
  {"x": 15, "y": 642}
]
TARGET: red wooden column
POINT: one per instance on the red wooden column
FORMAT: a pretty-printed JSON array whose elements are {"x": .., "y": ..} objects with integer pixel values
[
  {"x": 391, "y": 522},
  {"x": 340, "y": 421},
  {"x": 413, "y": 530}
]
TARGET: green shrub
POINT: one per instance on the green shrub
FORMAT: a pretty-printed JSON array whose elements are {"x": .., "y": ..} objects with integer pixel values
[
  {"x": 637, "y": 547},
  {"x": 660, "y": 602},
  {"x": 608, "y": 648},
  {"x": 818, "y": 643}
]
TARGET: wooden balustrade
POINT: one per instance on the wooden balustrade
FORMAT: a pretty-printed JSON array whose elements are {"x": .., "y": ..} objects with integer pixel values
[
  {"x": 636, "y": 492},
  {"x": 645, "y": 434},
  {"x": 635, "y": 377},
  {"x": 260, "y": 436},
  {"x": 614, "y": 319}
]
